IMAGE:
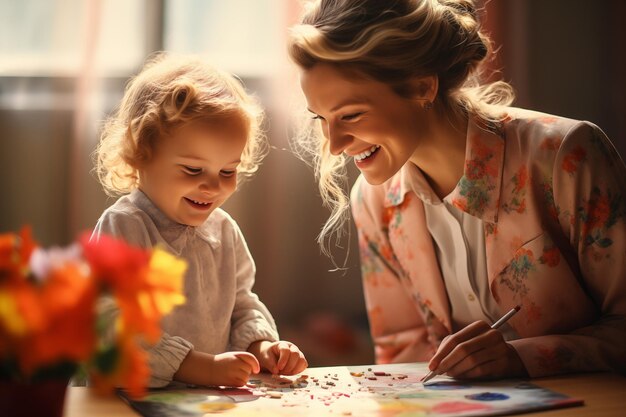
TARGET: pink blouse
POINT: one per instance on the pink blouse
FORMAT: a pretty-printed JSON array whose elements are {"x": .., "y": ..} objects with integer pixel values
[{"x": 551, "y": 193}]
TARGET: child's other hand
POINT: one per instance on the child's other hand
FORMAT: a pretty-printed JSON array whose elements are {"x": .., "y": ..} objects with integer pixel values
[
  {"x": 280, "y": 357},
  {"x": 233, "y": 368}
]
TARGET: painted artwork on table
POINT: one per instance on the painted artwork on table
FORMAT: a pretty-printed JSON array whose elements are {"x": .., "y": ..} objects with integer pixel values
[{"x": 377, "y": 390}]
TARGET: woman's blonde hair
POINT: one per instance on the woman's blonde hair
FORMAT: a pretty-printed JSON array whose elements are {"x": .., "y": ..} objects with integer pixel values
[
  {"x": 392, "y": 42},
  {"x": 169, "y": 91}
]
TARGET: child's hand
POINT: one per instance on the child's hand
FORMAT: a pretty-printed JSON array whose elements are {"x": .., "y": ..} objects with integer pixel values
[
  {"x": 279, "y": 357},
  {"x": 232, "y": 368}
]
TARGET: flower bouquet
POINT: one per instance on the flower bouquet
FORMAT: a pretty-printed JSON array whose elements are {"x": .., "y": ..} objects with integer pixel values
[{"x": 92, "y": 307}]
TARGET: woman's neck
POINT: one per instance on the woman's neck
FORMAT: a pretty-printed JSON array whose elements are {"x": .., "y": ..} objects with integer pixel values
[{"x": 441, "y": 156}]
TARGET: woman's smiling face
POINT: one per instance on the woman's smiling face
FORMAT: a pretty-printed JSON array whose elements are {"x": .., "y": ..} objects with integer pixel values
[{"x": 363, "y": 118}]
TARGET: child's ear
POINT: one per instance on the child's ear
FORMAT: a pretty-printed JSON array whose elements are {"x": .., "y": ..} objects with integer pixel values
[{"x": 425, "y": 88}]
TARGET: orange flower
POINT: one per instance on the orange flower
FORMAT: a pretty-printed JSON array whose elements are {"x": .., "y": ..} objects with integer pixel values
[
  {"x": 158, "y": 291},
  {"x": 132, "y": 371},
  {"x": 20, "y": 311},
  {"x": 145, "y": 287},
  {"x": 67, "y": 300}
]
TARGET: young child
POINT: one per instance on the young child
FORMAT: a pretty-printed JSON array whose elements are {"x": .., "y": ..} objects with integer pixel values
[{"x": 183, "y": 135}]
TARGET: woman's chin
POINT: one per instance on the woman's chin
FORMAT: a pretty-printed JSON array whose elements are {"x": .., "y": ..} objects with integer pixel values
[{"x": 374, "y": 178}]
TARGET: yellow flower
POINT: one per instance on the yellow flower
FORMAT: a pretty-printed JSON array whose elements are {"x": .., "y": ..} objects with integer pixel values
[
  {"x": 166, "y": 276},
  {"x": 9, "y": 315}
]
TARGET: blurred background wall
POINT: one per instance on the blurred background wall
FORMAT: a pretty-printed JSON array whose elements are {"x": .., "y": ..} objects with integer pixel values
[{"x": 64, "y": 64}]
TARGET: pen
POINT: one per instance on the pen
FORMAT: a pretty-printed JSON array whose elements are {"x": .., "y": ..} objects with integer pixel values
[{"x": 495, "y": 325}]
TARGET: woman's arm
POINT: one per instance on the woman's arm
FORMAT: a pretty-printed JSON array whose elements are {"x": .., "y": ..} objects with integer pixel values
[
  {"x": 396, "y": 325},
  {"x": 589, "y": 185}
]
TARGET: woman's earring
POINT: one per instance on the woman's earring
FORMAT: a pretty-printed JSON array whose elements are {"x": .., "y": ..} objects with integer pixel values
[{"x": 428, "y": 105}]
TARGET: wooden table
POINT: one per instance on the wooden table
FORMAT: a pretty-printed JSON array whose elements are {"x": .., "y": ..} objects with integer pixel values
[{"x": 604, "y": 396}]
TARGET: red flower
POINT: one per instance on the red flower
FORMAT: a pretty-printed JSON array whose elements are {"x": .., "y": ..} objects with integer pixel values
[
  {"x": 551, "y": 257},
  {"x": 521, "y": 178},
  {"x": 114, "y": 262},
  {"x": 15, "y": 252},
  {"x": 533, "y": 312},
  {"x": 571, "y": 160},
  {"x": 386, "y": 252},
  {"x": 388, "y": 214},
  {"x": 461, "y": 204},
  {"x": 475, "y": 169},
  {"x": 554, "y": 359},
  {"x": 550, "y": 144},
  {"x": 481, "y": 150},
  {"x": 599, "y": 210}
]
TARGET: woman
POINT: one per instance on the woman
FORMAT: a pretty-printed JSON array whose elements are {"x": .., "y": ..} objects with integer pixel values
[{"x": 465, "y": 207}]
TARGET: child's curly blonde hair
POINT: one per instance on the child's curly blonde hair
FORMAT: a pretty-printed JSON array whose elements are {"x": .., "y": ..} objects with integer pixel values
[{"x": 172, "y": 90}]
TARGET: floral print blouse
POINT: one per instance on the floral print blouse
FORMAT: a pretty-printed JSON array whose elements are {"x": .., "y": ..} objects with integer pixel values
[{"x": 551, "y": 192}]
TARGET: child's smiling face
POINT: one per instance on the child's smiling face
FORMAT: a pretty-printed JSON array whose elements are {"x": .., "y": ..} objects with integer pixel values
[{"x": 194, "y": 170}]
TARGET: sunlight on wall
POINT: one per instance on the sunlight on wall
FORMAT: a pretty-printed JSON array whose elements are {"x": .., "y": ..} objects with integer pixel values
[
  {"x": 54, "y": 37},
  {"x": 241, "y": 36}
]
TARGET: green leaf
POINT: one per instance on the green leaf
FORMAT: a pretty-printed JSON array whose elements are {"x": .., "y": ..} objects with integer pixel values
[{"x": 106, "y": 359}]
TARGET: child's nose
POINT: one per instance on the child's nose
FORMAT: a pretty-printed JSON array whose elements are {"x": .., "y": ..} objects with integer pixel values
[{"x": 210, "y": 183}]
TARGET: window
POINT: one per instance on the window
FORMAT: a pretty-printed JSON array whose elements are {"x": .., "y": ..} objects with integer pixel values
[
  {"x": 240, "y": 36},
  {"x": 57, "y": 37}
]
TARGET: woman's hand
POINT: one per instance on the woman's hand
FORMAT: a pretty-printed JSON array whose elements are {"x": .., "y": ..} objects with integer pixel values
[
  {"x": 477, "y": 351},
  {"x": 279, "y": 357}
]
